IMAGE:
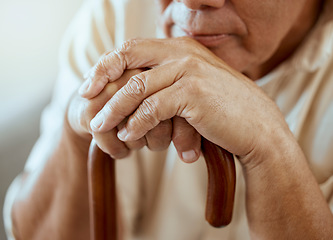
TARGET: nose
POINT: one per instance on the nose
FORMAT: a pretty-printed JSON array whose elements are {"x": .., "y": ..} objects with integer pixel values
[{"x": 198, "y": 4}]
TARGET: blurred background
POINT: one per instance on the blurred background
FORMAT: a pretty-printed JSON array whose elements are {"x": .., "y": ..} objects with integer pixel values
[{"x": 30, "y": 35}]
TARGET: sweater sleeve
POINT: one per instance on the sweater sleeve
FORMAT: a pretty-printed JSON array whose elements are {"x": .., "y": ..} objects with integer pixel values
[{"x": 89, "y": 35}]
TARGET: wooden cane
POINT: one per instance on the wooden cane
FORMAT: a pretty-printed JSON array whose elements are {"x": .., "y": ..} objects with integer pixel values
[
  {"x": 102, "y": 195},
  {"x": 102, "y": 190},
  {"x": 221, "y": 184}
]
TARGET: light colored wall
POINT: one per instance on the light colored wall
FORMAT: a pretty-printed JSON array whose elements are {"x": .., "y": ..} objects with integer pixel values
[{"x": 30, "y": 34}]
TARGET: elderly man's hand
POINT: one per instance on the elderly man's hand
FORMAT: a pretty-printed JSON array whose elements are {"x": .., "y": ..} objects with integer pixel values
[
  {"x": 185, "y": 80},
  {"x": 82, "y": 110}
]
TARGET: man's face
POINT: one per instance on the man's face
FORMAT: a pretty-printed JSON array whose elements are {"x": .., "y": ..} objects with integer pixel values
[{"x": 244, "y": 33}]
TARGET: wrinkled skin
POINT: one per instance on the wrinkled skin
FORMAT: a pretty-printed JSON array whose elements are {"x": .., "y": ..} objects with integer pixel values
[
  {"x": 153, "y": 91},
  {"x": 251, "y": 37}
]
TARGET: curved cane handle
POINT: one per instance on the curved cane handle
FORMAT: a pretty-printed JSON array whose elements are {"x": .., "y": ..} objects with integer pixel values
[{"x": 221, "y": 184}]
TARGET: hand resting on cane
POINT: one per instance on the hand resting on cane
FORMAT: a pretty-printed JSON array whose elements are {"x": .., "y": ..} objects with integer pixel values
[
  {"x": 212, "y": 89},
  {"x": 225, "y": 107},
  {"x": 183, "y": 135}
]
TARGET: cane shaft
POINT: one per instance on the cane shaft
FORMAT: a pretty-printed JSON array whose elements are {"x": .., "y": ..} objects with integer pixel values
[
  {"x": 102, "y": 195},
  {"x": 102, "y": 190}
]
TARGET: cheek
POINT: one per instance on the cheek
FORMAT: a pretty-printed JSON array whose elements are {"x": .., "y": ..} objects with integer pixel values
[
  {"x": 268, "y": 23},
  {"x": 262, "y": 43},
  {"x": 246, "y": 52},
  {"x": 252, "y": 51},
  {"x": 237, "y": 57},
  {"x": 264, "y": 37}
]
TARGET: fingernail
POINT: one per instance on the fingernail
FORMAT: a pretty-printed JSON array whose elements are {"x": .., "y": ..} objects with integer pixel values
[
  {"x": 122, "y": 134},
  {"x": 84, "y": 87},
  {"x": 189, "y": 156},
  {"x": 97, "y": 122}
]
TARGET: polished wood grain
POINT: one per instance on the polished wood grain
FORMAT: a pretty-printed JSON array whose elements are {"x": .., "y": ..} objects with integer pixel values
[
  {"x": 102, "y": 190},
  {"x": 102, "y": 195},
  {"x": 221, "y": 184}
]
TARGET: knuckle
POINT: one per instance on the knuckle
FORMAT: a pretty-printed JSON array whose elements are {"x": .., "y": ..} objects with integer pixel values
[
  {"x": 119, "y": 55},
  {"x": 102, "y": 66},
  {"x": 150, "y": 107},
  {"x": 136, "y": 86},
  {"x": 147, "y": 114},
  {"x": 121, "y": 58},
  {"x": 193, "y": 61},
  {"x": 129, "y": 44},
  {"x": 103, "y": 71}
]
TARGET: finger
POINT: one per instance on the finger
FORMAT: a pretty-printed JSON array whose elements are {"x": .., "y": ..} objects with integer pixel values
[
  {"x": 137, "y": 144},
  {"x": 110, "y": 144},
  {"x": 93, "y": 106},
  {"x": 128, "y": 98},
  {"x": 159, "y": 138},
  {"x": 84, "y": 110},
  {"x": 133, "y": 145},
  {"x": 154, "y": 109},
  {"x": 135, "y": 54},
  {"x": 186, "y": 139},
  {"x": 91, "y": 88}
]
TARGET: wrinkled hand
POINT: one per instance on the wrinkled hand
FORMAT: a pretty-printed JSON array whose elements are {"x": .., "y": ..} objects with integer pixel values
[
  {"x": 188, "y": 81},
  {"x": 82, "y": 110}
]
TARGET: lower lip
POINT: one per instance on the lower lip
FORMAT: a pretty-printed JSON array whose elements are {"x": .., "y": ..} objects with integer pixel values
[{"x": 211, "y": 40}]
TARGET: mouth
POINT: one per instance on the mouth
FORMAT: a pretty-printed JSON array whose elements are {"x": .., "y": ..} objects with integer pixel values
[
  {"x": 209, "y": 40},
  {"x": 206, "y": 39}
]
